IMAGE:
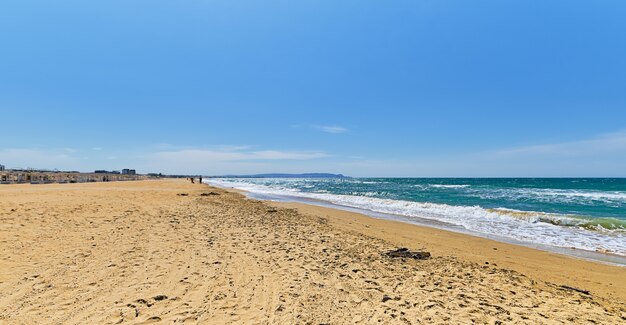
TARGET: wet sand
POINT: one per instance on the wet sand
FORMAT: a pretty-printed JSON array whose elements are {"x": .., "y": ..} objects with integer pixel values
[{"x": 140, "y": 252}]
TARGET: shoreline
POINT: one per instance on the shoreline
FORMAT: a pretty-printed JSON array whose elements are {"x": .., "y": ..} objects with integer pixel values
[
  {"x": 168, "y": 251},
  {"x": 544, "y": 264},
  {"x": 588, "y": 255}
]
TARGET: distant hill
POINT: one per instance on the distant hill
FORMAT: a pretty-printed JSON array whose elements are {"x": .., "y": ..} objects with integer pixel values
[{"x": 305, "y": 175}]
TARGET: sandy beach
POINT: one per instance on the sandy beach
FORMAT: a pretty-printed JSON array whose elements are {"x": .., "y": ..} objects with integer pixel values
[{"x": 169, "y": 251}]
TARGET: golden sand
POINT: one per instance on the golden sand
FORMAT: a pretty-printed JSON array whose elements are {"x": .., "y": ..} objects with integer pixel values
[{"x": 140, "y": 252}]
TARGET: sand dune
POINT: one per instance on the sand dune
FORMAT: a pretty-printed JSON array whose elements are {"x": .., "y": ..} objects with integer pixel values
[{"x": 140, "y": 252}]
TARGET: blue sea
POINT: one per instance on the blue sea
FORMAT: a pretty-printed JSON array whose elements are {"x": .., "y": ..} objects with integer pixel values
[{"x": 587, "y": 214}]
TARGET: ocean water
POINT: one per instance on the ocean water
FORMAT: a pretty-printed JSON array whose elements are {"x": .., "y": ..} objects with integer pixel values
[{"x": 583, "y": 213}]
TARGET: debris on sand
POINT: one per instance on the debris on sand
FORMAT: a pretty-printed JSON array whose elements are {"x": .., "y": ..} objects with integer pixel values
[
  {"x": 160, "y": 297},
  {"x": 406, "y": 253},
  {"x": 586, "y": 292}
]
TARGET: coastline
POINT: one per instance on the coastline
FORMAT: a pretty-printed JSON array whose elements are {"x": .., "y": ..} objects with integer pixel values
[
  {"x": 170, "y": 251},
  {"x": 606, "y": 278},
  {"x": 595, "y": 256}
]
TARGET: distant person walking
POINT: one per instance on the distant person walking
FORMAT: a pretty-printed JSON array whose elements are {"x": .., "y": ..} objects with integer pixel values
[
  {"x": 200, "y": 180},
  {"x": 191, "y": 179}
]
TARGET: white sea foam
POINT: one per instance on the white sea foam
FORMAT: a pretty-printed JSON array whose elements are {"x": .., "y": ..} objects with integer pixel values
[
  {"x": 586, "y": 197},
  {"x": 600, "y": 196},
  {"x": 447, "y": 186},
  {"x": 524, "y": 226}
]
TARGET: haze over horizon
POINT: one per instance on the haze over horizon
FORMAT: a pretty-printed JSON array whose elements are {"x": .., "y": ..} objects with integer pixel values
[{"x": 361, "y": 88}]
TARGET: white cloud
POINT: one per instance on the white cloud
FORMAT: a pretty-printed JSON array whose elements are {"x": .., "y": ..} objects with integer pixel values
[
  {"x": 235, "y": 154},
  {"x": 38, "y": 158},
  {"x": 280, "y": 155},
  {"x": 217, "y": 160},
  {"x": 331, "y": 128},
  {"x": 230, "y": 160},
  {"x": 600, "y": 156},
  {"x": 608, "y": 143},
  {"x": 96, "y": 148}
]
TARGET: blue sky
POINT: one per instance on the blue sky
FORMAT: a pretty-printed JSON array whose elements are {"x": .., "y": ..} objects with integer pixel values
[{"x": 364, "y": 88}]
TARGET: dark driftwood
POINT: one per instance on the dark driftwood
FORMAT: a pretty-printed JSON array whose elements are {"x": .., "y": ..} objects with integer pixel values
[
  {"x": 576, "y": 289},
  {"x": 406, "y": 253}
]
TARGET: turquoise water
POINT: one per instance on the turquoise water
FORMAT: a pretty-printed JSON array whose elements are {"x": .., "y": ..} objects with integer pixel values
[{"x": 582, "y": 213}]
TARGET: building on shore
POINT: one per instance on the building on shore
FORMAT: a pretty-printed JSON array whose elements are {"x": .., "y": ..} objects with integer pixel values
[
  {"x": 44, "y": 177},
  {"x": 102, "y": 171},
  {"x": 1, "y": 168},
  {"x": 128, "y": 172}
]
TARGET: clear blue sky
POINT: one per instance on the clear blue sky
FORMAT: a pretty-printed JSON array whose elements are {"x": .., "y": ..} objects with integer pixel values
[{"x": 364, "y": 88}]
